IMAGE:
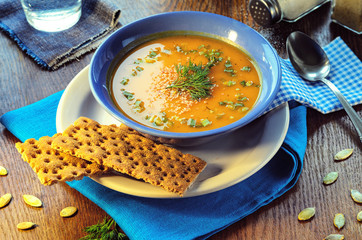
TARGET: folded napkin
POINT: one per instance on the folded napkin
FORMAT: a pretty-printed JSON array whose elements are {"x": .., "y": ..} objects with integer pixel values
[
  {"x": 345, "y": 73},
  {"x": 181, "y": 218},
  {"x": 51, "y": 50}
]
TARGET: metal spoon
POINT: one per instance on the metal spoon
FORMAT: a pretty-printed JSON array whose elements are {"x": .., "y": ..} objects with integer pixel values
[{"x": 312, "y": 63}]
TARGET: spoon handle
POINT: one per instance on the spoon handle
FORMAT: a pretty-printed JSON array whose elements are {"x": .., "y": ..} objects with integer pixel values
[{"x": 356, "y": 120}]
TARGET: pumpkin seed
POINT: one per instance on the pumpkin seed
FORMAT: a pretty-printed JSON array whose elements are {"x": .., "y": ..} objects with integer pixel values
[
  {"x": 3, "y": 171},
  {"x": 25, "y": 225},
  {"x": 330, "y": 178},
  {"x": 344, "y": 154},
  {"x": 334, "y": 237},
  {"x": 356, "y": 196},
  {"x": 68, "y": 211},
  {"x": 306, "y": 214},
  {"x": 5, "y": 199},
  {"x": 32, "y": 200},
  {"x": 339, "y": 220},
  {"x": 359, "y": 216}
]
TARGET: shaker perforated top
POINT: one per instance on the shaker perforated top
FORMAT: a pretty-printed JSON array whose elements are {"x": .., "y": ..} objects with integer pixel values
[{"x": 265, "y": 12}]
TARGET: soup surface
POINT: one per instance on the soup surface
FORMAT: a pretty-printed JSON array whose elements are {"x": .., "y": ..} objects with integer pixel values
[{"x": 185, "y": 83}]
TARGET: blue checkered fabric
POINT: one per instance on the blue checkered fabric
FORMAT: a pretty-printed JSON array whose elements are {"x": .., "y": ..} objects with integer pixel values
[{"x": 346, "y": 72}]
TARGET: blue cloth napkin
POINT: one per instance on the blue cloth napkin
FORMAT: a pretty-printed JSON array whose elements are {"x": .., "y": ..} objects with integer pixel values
[
  {"x": 345, "y": 73},
  {"x": 52, "y": 50},
  {"x": 182, "y": 218}
]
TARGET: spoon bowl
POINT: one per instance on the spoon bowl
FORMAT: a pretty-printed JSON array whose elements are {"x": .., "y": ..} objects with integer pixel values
[
  {"x": 307, "y": 57},
  {"x": 312, "y": 63}
]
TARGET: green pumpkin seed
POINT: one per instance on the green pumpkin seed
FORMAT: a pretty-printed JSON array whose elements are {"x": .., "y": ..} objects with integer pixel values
[
  {"x": 359, "y": 216},
  {"x": 68, "y": 211},
  {"x": 25, "y": 225},
  {"x": 32, "y": 200},
  {"x": 330, "y": 178},
  {"x": 334, "y": 237},
  {"x": 339, "y": 220},
  {"x": 356, "y": 196},
  {"x": 3, "y": 171},
  {"x": 344, "y": 154},
  {"x": 306, "y": 214},
  {"x": 5, "y": 199}
]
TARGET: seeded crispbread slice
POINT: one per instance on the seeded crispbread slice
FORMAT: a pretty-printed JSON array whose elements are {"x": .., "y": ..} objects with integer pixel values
[
  {"x": 129, "y": 153},
  {"x": 53, "y": 166}
]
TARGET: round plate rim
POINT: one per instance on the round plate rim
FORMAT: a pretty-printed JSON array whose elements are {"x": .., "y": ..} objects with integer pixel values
[{"x": 153, "y": 191}]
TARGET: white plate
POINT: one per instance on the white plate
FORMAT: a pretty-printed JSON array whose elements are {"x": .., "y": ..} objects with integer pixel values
[{"x": 231, "y": 158}]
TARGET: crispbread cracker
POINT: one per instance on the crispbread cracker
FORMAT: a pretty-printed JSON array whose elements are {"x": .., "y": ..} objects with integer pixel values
[
  {"x": 131, "y": 154},
  {"x": 53, "y": 166}
]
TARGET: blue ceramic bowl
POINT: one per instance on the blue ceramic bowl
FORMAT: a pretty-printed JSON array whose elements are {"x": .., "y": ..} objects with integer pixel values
[{"x": 250, "y": 40}]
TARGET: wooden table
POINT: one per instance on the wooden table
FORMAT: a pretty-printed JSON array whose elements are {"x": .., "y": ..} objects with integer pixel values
[{"x": 22, "y": 82}]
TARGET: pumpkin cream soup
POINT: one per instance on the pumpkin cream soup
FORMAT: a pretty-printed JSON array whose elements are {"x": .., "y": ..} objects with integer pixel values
[{"x": 185, "y": 83}]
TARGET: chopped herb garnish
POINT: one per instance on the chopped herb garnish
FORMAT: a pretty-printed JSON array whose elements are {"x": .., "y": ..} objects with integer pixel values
[
  {"x": 152, "y": 54},
  {"x": 228, "y": 64},
  {"x": 191, "y": 122},
  {"x": 210, "y": 110},
  {"x": 205, "y": 122},
  {"x": 179, "y": 49},
  {"x": 152, "y": 118},
  {"x": 193, "y": 79},
  {"x": 243, "y": 83},
  {"x": 213, "y": 57},
  {"x": 138, "y": 106},
  {"x": 183, "y": 120},
  {"x": 127, "y": 94},
  {"x": 243, "y": 99},
  {"x": 243, "y": 109},
  {"x": 219, "y": 115},
  {"x": 139, "y": 68},
  {"x": 249, "y": 83},
  {"x": 229, "y": 83},
  {"x": 246, "y": 69},
  {"x": 168, "y": 124},
  {"x": 150, "y": 60},
  {"x": 166, "y": 51},
  {"x": 158, "y": 122},
  {"x": 163, "y": 117},
  {"x": 238, "y": 105},
  {"x": 138, "y": 61},
  {"x": 229, "y": 68},
  {"x": 125, "y": 81},
  {"x": 231, "y": 105}
]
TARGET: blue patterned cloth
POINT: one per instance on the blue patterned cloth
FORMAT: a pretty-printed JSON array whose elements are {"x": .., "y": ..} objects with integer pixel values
[
  {"x": 98, "y": 19},
  {"x": 346, "y": 72}
]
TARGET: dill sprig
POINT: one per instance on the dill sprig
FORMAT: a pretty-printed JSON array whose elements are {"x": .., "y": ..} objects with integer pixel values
[
  {"x": 106, "y": 230},
  {"x": 193, "y": 78}
]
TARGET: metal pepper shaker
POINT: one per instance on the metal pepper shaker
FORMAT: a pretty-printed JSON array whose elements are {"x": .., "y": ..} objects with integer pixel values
[{"x": 268, "y": 12}]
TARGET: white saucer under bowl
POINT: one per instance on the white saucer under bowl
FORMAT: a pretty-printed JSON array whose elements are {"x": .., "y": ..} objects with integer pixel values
[{"x": 230, "y": 159}]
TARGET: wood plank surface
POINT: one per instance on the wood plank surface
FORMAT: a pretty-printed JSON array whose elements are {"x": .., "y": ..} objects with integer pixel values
[{"x": 23, "y": 82}]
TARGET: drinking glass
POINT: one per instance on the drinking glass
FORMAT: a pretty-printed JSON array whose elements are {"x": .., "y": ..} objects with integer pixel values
[{"x": 52, "y": 15}]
